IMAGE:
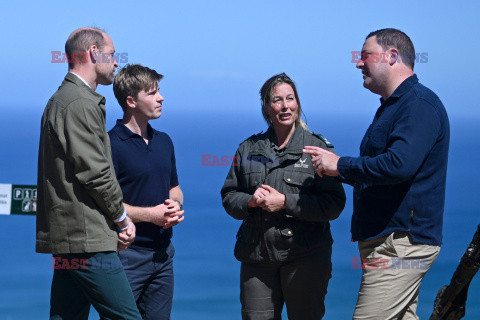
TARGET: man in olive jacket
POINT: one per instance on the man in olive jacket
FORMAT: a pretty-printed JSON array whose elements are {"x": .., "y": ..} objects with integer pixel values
[{"x": 79, "y": 199}]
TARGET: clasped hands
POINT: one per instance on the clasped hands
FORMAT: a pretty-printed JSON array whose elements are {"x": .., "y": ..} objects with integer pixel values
[
  {"x": 167, "y": 214},
  {"x": 267, "y": 198}
]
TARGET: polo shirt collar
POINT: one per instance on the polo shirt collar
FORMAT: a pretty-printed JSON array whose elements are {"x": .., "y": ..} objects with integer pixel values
[
  {"x": 124, "y": 133},
  {"x": 98, "y": 98}
]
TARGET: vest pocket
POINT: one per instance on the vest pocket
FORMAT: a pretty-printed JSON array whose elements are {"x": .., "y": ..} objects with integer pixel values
[
  {"x": 254, "y": 180},
  {"x": 247, "y": 247},
  {"x": 297, "y": 180}
]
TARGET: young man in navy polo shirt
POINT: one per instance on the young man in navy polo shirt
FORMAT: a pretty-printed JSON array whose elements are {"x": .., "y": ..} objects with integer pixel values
[{"x": 144, "y": 162}]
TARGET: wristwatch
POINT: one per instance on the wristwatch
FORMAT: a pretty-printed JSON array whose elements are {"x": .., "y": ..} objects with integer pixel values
[{"x": 180, "y": 204}]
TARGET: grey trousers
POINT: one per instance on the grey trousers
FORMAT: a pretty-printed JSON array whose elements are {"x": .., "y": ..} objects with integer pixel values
[
  {"x": 393, "y": 268},
  {"x": 300, "y": 284}
]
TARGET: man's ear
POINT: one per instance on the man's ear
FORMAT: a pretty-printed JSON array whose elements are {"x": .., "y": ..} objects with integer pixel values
[
  {"x": 94, "y": 53},
  {"x": 394, "y": 56},
  {"x": 131, "y": 102}
]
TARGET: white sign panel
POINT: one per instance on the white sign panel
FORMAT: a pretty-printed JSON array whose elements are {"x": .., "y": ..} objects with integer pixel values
[{"x": 5, "y": 198}]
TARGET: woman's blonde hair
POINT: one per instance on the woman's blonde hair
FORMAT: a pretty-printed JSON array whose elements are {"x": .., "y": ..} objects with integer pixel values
[{"x": 266, "y": 97}]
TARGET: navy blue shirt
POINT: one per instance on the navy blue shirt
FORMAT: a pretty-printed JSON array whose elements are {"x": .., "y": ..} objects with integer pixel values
[
  {"x": 399, "y": 179},
  {"x": 145, "y": 173}
]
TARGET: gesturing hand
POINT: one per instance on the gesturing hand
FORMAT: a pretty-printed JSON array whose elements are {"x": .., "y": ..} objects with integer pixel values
[{"x": 324, "y": 162}]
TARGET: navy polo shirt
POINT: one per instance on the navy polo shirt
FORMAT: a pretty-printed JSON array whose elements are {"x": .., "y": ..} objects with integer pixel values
[
  {"x": 145, "y": 173},
  {"x": 400, "y": 177}
]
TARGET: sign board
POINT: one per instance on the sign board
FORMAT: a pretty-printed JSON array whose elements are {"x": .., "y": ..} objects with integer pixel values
[{"x": 18, "y": 199}]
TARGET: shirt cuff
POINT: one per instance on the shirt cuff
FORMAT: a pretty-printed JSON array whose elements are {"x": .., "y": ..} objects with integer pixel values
[
  {"x": 122, "y": 217},
  {"x": 343, "y": 167}
]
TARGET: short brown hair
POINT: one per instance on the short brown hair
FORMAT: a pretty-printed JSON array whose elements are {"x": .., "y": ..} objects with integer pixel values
[
  {"x": 394, "y": 38},
  {"x": 82, "y": 39},
  {"x": 132, "y": 79}
]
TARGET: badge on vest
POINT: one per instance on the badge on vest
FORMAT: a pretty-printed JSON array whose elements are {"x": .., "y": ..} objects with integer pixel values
[{"x": 301, "y": 164}]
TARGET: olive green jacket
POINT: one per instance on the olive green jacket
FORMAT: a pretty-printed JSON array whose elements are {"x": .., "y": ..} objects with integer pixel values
[
  {"x": 78, "y": 193},
  {"x": 302, "y": 228}
]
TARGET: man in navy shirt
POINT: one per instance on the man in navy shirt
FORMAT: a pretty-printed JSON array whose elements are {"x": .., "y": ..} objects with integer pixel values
[
  {"x": 399, "y": 179},
  {"x": 144, "y": 162}
]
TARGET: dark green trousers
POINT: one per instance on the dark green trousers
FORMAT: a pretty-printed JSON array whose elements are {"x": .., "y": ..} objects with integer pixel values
[
  {"x": 84, "y": 279},
  {"x": 300, "y": 284}
]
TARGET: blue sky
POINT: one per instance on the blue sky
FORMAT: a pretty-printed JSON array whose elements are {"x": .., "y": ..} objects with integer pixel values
[{"x": 216, "y": 54}]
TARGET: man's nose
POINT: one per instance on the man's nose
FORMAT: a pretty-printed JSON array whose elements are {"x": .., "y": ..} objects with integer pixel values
[{"x": 360, "y": 64}]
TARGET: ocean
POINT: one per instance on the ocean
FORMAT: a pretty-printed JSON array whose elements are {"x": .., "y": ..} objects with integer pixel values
[{"x": 206, "y": 273}]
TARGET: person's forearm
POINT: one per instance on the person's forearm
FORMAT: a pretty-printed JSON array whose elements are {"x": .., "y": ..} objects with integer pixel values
[
  {"x": 176, "y": 194},
  {"x": 236, "y": 204},
  {"x": 139, "y": 214}
]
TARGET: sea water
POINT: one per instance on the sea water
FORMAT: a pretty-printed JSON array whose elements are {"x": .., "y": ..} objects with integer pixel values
[{"x": 206, "y": 273}]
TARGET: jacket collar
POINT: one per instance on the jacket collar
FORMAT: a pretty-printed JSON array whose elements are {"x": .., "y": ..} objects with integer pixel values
[
  {"x": 294, "y": 145},
  {"x": 98, "y": 98}
]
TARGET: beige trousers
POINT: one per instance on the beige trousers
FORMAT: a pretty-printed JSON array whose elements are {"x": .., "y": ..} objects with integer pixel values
[{"x": 393, "y": 268}]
